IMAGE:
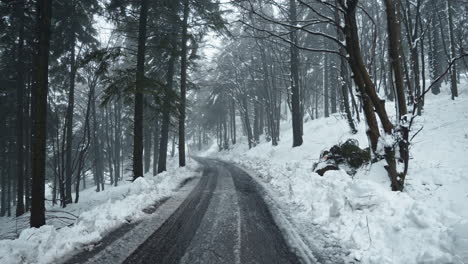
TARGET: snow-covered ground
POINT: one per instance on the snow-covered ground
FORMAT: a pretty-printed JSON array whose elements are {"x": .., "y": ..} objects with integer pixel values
[
  {"x": 427, "y": 223},
  {"x": 98, "y": 214}
]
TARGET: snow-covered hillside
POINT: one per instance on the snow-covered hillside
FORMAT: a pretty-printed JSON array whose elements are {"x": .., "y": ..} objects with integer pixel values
[
  {"x": 98, "y": 214},
  {"x": 360, "y": 216}
]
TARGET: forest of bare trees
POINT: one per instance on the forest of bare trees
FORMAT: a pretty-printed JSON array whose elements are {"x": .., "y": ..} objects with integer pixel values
[
  {"x": 316, "y": 58},
  {"x": 79, "y": 110}
]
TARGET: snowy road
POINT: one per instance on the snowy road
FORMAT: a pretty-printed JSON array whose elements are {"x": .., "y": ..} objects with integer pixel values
[{"x": 223, "y": 220}]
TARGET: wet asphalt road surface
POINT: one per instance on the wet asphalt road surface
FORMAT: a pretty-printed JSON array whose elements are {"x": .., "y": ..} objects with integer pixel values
[{"x": 223, "y": 220}]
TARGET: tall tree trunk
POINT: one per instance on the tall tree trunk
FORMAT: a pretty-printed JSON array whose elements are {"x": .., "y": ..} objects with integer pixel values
[
  {"x": 61, "y": 161},
  {"x": 27, "y": 139},
  {"x": 84, "y": 149},
  {"x": 138, "y": 110},
  {"x": 3, "y": 172},
  {"x": 9, "y": 181},
  {"x": 199, "y": 138},
  {"x": 84, "y": 181},
  {"x": 148, "y": 138},
  {"x": 361, "y": 76},
  {"x": 56, "y": 160},
  {"x": 453, "y": 69},
  {"x": 156, "y": 132},
  {"x": 395, "y": 56},
  {"x": 367, "y": 89},
  {"x": 332, "y": 81},
  {"x": 39, "y": 132},
  {"x": 423, "y": 70},
  {"x": 326, "y": 85},
  {"x": 173, "y": 145},
  {"x": 166, "y": 117},
  {"x": 225, "y": 134},
  {"x": 117, "y": 139},
  {"x": 256, "y": 121},
  {"x": 412, "y": 29},
  {"x": 219, "y": 140},
  {"x": 393, "y": 27},
  {"x": 269, "y": 98},
  {"x": 435, "y": 56},
  {"x": 69, "y": 118},
  {"x": 183, "y": 85},
  {"x": 261, "y": 123},
  {"x": 98, "y": 160},
  {"x": 344, "y": 94},
  {"x": 233, "y": 121},
  {"x": 27, "y": 169},
  {"x": 344, "y": 79},
  {"x": 248, "y": 127},
  {"x": 19, "y": 112},
  {"x": 294, "y": 67},
  {"x": 109, "y": 145}
]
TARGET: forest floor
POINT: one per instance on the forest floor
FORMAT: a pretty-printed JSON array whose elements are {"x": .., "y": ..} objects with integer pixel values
[
  {"x": 80, "y": 226},
  {"x": 427, "y": 223}
]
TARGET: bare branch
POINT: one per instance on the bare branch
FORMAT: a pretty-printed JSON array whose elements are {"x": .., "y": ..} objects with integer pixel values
[{"x": 289, "y": 41}]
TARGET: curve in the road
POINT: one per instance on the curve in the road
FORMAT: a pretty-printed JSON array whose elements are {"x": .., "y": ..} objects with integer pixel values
[{"x": 223, "y": 220}]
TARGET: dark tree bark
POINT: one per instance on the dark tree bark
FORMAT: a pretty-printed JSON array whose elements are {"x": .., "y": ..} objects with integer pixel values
[
  {"x": 109, "y": 145},
  {"x": 166, "y": 116},
  {"x": 156, "y": 139},
  {"x": 225, "y": 134},
  {"x": 412, "y": 31},
  {"x": 148, "y": 138},
  {"x": 435, "y": 55},
  {"x": 395, "y": 55},
  {"x": 98, "y": 160},
  {"x": 423, "y": 70},
  {"x": 326, "y": 84},
  {"x": 344, "y": 79},
  {"x": 295, "y": 97},
  {"x": 183, "y": 85},
  {"x": 69, "y": 129},
  {"x": 69, "y": 118},
  {"x": 256, "y": 121},
  {"x": 173, "y": 144},
  {"x": 138, "y": 110},
  {"x": 345, "y": 87},
  {"x": 219, "y": 139},
  {"x": 40, "y": 89},
  {"x": 56, "y": 161},
  {"x": 86, "y": 138},
  {"x": 333, "y": 81},
  {"x": 261, "y": 124},
  {"x": 394, "y": 44},
  {"x": 366, "y": 87},
  {"x": 248, "y": 127},
  {"x": 269, "y": 99},
  {"x": 27, "y": 169},
  {"x": 361, "y": 77},
  {"x": 3, "y": 201},
  {"x": 19, "y": 112},
  {"x": 9, "y": 182},
  {"x": 453, "y": 69},
  {"x": 199, "y": 138},
  {"x": 232, "y": 107},
  {"x": 117, "y": 139}
]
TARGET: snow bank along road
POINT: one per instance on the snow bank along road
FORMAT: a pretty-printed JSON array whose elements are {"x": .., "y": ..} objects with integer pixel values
[{"x": 223, "y": 220}]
